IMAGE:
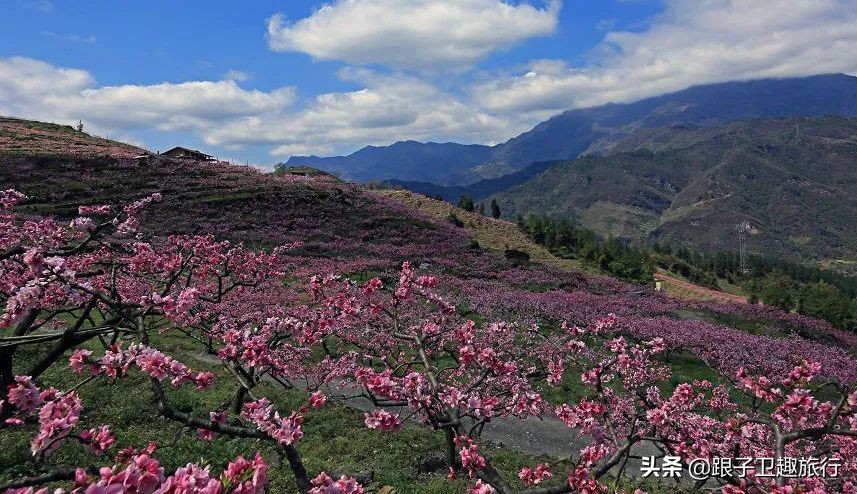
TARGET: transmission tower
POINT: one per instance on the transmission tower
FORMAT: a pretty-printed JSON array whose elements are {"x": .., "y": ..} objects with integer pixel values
[{"x": 743, "y": 229}]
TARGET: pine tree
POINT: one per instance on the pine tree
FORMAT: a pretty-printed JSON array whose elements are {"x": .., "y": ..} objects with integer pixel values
[
  {"x": 466, "y": 203},
  {"x": 495, "y": 209}
]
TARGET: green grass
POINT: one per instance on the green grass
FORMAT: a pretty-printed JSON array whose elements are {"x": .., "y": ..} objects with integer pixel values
[
  {"x": 335, "y": 440},
  {"x": 751, "y": 326}
]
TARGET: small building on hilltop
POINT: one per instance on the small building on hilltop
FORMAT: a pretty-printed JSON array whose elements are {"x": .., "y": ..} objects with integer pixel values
[{"x": 187, "y": 154}]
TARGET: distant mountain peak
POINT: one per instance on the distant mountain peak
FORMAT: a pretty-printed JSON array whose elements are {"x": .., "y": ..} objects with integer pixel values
[{"x": 575, "y": 132}]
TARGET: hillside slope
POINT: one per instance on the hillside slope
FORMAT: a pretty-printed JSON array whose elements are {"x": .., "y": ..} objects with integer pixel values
[
  {"x": 793, "y": 179},
  {"x": 27, "y": 137},
  {"x": 350, "y": 230},
  {"x": 362, "y": 233}
]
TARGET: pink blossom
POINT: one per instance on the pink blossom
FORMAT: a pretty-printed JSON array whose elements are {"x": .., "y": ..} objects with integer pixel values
[
  {"x": 216, "y": 418},
  {"x": 9, "y": 198},
  {"x": 555, "y": 371},
  {"x": 190, "y": 479},
  {"x": 94, "y": 209},
  {"x": 481, "y": 488},
  {"x": 246, "y": 477},
  {"x": 142, "y": 475},
  {"x": 284, "y": 430},
  {"x": 25, "y": 298},
  {"x": 99, "y": 439},
  {"x": 372, "y": 286},
  {"x": 24, "y": 395},
  {"x": 324, "y": 484},
  {"x": 382, "y": 420},
  {"x": 83, "y": 224},
  {"x": 470, "y": 457},
  {"x": 592, "y": 454},
  {"x": 535, "y": 476},
  {"x": 187, "y": 298},
  {"x": 317, "y": 400},
  {"x": 57, "y": 417},
  {"x": 34, "y": 259},
  {"x": 78, "y": 358}
]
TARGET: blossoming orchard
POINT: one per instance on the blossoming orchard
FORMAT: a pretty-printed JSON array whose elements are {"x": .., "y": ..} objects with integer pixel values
[{"x": 93, "y": 298}]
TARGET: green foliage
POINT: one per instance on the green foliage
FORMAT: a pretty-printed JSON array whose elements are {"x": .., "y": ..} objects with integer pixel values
[
  {"x": 282, "y": 169},
  {"x": 455, "y": 220},
  {"x": 495, "y": 209},
  {"x": 827, "y": 302},
  {"x": 809, "y": 290},
  {"x": 660, "y": 183},
  {"x": 570, "y": 241},
  {"x": 466, "y": 203}
]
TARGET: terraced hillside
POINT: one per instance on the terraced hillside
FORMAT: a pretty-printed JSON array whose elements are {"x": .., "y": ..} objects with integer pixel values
[
  {"x": 342, "y": 226},
  {"x": 363, "y": 233},
  {"x": 29, "y": 138}
]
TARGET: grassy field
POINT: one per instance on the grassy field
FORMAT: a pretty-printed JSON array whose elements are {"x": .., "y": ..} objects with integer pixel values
[
  {"x": 411, "y": 460},
  {"x": 492, "y": 234},
  {"x": 408, "y": 461}
]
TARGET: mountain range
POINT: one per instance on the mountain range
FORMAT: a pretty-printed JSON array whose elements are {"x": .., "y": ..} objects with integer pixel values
[
  {"x": 793, "y": 179},
  {"x": 682, "y": 168},
  {"x": 592, "y": 130},
  {"x": 443, "y": 164}
]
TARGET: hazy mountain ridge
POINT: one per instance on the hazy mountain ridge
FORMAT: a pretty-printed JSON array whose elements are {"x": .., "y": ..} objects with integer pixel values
[
  {"x": 478, "y": 190},
  {"x": 574, "y": 132},
  {"x": 440, "y": 163},
  {"x": 595, "y": 130}
]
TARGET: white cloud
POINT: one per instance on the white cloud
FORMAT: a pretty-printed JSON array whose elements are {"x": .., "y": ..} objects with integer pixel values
[
  {"x": 692, "y": 42},
  {"x": 23, "y": 81},
  {"x": 81, "y": 39},
  {"x": 412, "y": 34},
  {"x": 188, "y": 105},
  {"x": 388, "y": 108},
  {"x": 237, "y": 75},
  {"x": 35, "y": 89}
]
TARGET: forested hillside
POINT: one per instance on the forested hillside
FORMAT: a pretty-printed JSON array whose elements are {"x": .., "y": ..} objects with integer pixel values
[{"x": 791, "y": 179}]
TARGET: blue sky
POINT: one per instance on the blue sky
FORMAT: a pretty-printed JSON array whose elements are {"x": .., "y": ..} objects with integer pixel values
[{"x": 259, "y": 81}]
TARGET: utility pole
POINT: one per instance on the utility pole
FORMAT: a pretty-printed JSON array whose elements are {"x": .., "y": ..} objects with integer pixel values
[{"x": 743, "y": 229}]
